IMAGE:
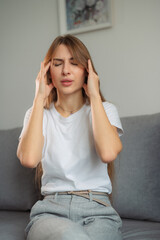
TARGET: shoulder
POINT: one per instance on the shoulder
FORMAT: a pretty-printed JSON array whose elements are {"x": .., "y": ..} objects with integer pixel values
[
  {"x": 27, "y": 114},
  {"x": 113, "y": 116},
  {"x": 108, "y": 104},
  {"x": 29, "y": 110},
  {"x": 109, "y": 107}
]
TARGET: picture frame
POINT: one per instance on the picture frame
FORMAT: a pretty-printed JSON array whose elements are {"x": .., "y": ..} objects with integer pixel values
[{"x": 79, "y": 16}]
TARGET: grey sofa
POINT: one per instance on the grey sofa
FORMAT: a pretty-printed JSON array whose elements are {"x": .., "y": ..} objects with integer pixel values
[{"x": 136, "y": 194}]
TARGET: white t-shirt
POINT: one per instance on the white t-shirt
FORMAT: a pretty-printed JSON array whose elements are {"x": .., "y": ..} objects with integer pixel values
[{"x": 69, "y": 160}]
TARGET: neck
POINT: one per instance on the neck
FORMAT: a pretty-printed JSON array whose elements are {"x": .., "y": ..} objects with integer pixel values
[{"x": 69, "y": 104}]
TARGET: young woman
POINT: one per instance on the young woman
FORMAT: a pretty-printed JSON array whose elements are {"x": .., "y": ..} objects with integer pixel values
[{"x": 73, "y": 133}]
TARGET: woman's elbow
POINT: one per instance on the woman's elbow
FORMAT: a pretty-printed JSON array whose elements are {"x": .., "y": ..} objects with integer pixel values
[
  {"x": 27, "y": 162},
  {"x": 110, "y": 156}
]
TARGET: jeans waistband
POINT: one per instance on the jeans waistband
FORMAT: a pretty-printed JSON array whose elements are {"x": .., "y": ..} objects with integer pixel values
[{"x": 86, "y": 194}]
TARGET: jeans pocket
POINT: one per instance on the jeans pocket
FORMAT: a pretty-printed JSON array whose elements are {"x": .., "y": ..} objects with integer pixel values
[{"x": 88, "y": 220}]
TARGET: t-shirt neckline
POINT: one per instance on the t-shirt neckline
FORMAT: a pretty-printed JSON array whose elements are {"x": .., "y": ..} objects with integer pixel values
[{"x": 70, "y": 117}]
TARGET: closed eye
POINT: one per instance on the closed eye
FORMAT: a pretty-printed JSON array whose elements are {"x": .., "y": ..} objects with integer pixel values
[
  {"x": 57, "y": 62},
  {"x": 73, "y": 61},
  {"x": 76, "y": 64}
]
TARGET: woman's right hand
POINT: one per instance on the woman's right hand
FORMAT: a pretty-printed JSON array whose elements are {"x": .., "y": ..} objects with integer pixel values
[{"x": 43, "y": 89}]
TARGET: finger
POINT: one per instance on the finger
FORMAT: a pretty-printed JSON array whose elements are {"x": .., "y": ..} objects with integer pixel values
[
  {"x": 47, "y": 66},
  {"x": 44, "y": 70},
  {"x": 42, "y": 66},
  {"x": 90, "y": 68},
  {"x": 41, "y": 71},
  {"x": 38, "y": 76}
]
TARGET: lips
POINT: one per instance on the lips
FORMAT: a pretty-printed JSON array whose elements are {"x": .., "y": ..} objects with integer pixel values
[{"x": 66, "y": 82}]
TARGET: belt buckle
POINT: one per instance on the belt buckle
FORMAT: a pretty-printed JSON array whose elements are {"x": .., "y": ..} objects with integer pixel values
[{"x": 70, "y": 192}]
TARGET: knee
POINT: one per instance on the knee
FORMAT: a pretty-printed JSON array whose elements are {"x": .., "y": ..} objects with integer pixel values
[
  {"x": 76, "y": 233},
  {"x": 65, "y": 234},
  {"x": 59, "y": 230}
]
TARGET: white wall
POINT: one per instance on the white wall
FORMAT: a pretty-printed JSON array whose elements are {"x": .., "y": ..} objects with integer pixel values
[
  {"x": 126, "y": 56},
  {"x": 27, "y": 28}
]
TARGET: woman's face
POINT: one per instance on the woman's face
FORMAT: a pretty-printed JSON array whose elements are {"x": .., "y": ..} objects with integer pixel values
[{"x": 67, "y": 75}]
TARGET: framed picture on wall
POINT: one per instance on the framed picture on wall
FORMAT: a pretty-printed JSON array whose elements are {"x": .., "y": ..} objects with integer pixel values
[{"x": 77, "y": 16}]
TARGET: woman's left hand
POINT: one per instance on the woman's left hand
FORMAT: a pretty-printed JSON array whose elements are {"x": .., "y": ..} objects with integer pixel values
[{"x": 92, "y": 86}]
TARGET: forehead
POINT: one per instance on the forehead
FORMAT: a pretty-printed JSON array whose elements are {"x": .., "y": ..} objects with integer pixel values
[{"x": 62, "y": 51}]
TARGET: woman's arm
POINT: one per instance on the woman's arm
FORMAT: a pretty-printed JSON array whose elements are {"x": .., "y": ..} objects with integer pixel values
[
  {"x": 30, "y": 147},
  {"x": 107, "y": 141},
  {"x": 31, "y": 143}
]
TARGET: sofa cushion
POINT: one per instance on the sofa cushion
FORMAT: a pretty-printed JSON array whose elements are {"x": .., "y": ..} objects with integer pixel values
[
  {"x": 17, "y": 188},
  {"x": 136, "y": 188},
  {"x": 13, "y": 224},
  {"x": 140, "y": 230}
]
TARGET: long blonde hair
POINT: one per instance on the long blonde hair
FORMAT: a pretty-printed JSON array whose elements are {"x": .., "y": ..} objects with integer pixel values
[{"x": 80, "y": 53}]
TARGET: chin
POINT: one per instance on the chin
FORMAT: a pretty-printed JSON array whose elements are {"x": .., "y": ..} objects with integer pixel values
[{"x": 68, "y": 91}]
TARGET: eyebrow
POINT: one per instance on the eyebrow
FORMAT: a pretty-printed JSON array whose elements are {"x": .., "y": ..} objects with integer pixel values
[
  {"x": 57, "y": 59},
  {"x": 61, "y": 60}
]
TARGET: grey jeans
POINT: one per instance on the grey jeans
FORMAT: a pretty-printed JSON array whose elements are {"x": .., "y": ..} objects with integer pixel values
[{"x": 67, "y": 217}]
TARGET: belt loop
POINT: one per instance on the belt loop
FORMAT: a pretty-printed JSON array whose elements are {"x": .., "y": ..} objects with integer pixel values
[
  {"x": 90, "y": 195},
  {"x": 55, "y": 196}
]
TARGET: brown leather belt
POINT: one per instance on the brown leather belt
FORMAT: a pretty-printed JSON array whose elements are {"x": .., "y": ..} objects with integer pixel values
[{"x": 86, "y": 194}]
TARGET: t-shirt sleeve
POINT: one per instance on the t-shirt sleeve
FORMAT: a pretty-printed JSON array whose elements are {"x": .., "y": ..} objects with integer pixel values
[
  {"x": 25, "y": 121},
  {"x": 113, "y": 116}
]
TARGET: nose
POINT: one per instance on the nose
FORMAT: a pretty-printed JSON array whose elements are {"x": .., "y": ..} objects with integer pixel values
[{"x": 66, "y": 68}]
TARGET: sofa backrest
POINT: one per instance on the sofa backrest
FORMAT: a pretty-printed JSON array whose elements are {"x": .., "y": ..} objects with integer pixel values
[
  {"x": 17, "y": 187},
  {"x": 136, "y": 189}
]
